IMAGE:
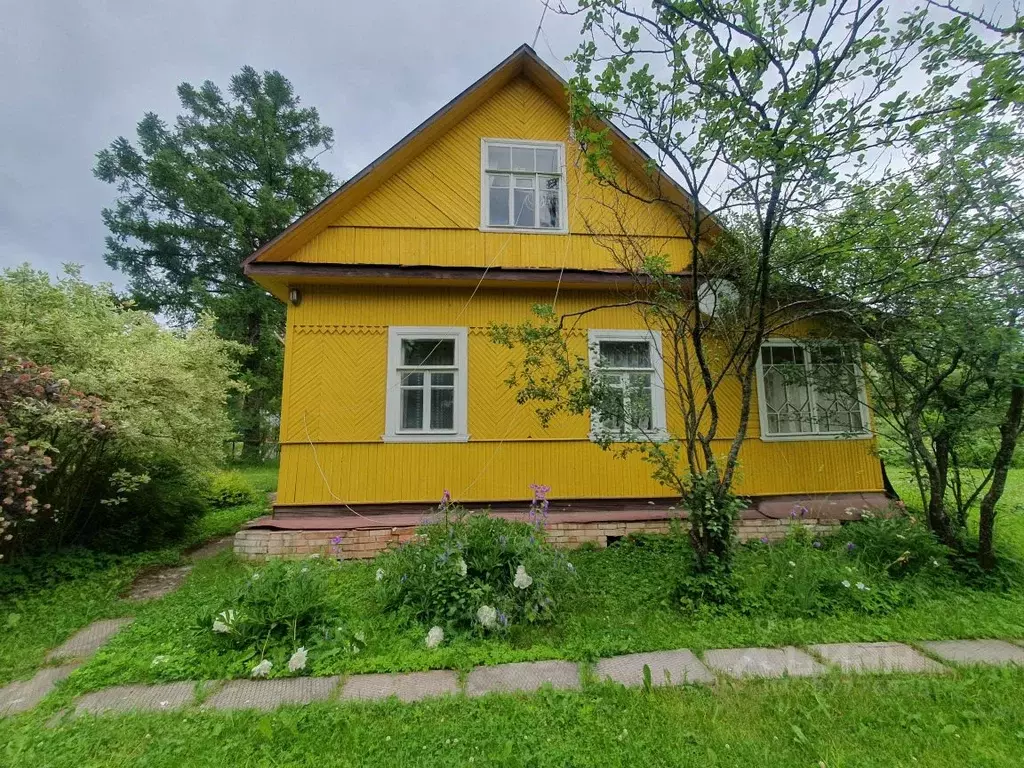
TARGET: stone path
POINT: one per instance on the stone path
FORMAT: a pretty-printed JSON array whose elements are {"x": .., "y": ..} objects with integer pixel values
[
  {"x": 681, "y": 667},
  {"x": 23, "y": 695}
]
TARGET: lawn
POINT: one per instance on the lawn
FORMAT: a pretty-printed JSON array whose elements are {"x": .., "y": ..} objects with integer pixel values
[
  {"x": 622, "y": 604},
  {"x": 964, "y": 718},
  {"x": 44, "y": 600}
]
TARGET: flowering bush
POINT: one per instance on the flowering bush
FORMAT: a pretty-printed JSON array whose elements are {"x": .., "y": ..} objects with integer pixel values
[
  {"x": 35, "y": 408},
  {"x": 476, "y": 572},
  {"x": 899, "y": 542},
  {"x": 285, "y": 600}
]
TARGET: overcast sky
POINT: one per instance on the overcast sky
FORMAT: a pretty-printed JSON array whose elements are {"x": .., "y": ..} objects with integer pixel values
[{"x": 78, "y": 74}]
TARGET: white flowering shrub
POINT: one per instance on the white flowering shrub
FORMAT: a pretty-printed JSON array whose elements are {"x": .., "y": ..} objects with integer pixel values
[{"x": 476, "y": 573}]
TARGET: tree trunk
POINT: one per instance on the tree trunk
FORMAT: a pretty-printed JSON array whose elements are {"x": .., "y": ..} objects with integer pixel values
[
  {"x": 1009, "y": 431},
  {"x": 938, "y": 475}
]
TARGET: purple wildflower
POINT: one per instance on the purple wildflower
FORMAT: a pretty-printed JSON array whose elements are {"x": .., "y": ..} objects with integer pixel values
[
  {"x": 539, "y": 505},
  {"x": 336, "y": 545},
  {"x": 816, "y": 545},
  {"x": 446, "y": 500},
  {"x": 502, "y": 619},
  {"x": 764, "y": 539},
  {"x": 798, "y": 511},
  {"x": 850, "y": 546}
]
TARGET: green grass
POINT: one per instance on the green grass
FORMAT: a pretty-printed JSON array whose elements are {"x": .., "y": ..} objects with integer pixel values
[
  {"x": 46, "y": 599},
  {"x": 964, "y": 718},
  {"x": 622, "y": 606}
]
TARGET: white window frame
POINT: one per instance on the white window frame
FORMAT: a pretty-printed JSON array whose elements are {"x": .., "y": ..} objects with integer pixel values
[
  {"x": 393, "y": 401},
  {"x": 563, "y": 213},
  {"x": 762, "y": 402},
  {"x": 659, "y": 423}
]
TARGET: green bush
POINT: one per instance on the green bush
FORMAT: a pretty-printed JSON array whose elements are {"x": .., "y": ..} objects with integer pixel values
[
  {"x": 229, "y": 489},
  {"x": 898, "y": 542},
  {"x": 476, "y": 572},
  {"x": 282, "y": 601},
  {"x": 136, "y": 478}
]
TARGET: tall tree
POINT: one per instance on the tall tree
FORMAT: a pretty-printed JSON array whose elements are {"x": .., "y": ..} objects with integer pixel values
[
  {"x": 196, "y": 197},
  {"x": 766, "y": 113}
]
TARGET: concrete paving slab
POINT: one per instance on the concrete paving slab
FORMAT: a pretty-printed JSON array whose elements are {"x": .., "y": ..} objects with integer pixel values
[
  {"x": 127, "y": 698},
  {"x": 86, "y": 641},
  {"x": 409, "y": 687},
  {"x": 23, "y": 695},
  {"x": 667, "y": 668},
  {"x": 876, "y": 657},
  {"x": 157, "y": 583},
  {"x": 524, "y": 676},
  {"x": 271, "y": 694},
  {"x": 976, "y": 651},
  {"x": 763, "y": 662}
]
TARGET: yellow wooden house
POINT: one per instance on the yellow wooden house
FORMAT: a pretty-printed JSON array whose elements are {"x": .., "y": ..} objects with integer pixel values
[{"x": 393, "y": 390}]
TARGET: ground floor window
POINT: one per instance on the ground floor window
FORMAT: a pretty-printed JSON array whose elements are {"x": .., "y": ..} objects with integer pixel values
[
  {"x": 810, "y": 389},
  {"x": 427, "y": 375},
  {"x": 629, "y": 385}
]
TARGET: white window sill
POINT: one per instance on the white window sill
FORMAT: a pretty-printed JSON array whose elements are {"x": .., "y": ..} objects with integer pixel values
[
  {"x": 659, "y": 436},
  {"x": 425, "y": 437},
  {"x": 816, "y": 436},
  {"x": 526, "y": 230}
]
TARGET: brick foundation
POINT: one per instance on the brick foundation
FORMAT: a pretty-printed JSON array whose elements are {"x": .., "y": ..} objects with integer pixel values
[{"x": 365, "y": 543}]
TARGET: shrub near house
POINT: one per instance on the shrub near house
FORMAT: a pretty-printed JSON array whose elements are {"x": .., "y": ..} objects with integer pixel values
[{"x": 132, "y": 474}]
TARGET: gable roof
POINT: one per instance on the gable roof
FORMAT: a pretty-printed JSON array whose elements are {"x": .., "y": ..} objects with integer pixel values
[{"x": 524, "y": 62}]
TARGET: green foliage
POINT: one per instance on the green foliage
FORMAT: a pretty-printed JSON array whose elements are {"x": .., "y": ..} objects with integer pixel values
[
  {"x": 898, "y": 542},
  {"x": 284, "y": 601},
  {"x": 136, "y": 477},
  {"x": 229, "y": 489},
  {"x": 476, "y": 572},
  {"x": 196, "y": 197}
]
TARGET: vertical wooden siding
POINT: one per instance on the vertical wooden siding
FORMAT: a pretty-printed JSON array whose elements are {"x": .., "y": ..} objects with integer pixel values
[{"x": 334, "y": 399}]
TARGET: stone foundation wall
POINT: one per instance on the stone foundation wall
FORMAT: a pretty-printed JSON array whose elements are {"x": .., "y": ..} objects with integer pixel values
[{"x": 259, "y": 543}]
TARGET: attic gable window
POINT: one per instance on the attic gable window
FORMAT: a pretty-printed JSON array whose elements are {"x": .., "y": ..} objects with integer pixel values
[{"x": 523, "y": 186}]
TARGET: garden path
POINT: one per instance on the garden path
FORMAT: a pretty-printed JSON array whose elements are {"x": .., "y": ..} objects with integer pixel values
[{"x": 681, "y": 667}]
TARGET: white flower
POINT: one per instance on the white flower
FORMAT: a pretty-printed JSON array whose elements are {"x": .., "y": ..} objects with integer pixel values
[
  {"x": 262, "y": 669},
  {"x": 522, "y": 579},
  {"x": 845, "y": 583},
  {"x": 360, "y": 636},
  {"x": 160, "y": 660},
  {"x": 792, "y": 564},
  {"x": 861, "y": 586},
  {"x": 460, "y": 566},
  {"x": 297, "y": 661},
  {"x": 435, "y": 637},
  {"x": 380, "y": 574},
  {"x": 571, "y": 567},
  {"x": 255, "y": 577},
  {"x": 222, "y": 624},
  {"x": 487, "y": 616},
  {"x": 305, "y": 569}
]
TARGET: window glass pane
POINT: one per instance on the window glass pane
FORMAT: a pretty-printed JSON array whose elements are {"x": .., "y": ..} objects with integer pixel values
[
  {"x": 547, "y": 160},
  {"x": 523, "y": 205},
  {"x": 787, "y": 397},
  {"x": 639, "y": 398},
  {"x": 549, "y": 201},
  {"x": 428, "y": 351},
  {"x": 611, "y": 403},
  {"x": 522, "y": 159},
  {"x": 442, "y": 408},
  {"x": 412, "y": 379},
  {"x": 412, "y": 408},
  {"x": 625, "y": 354},
  {"x": 442, "y": 379},
  {"x": 497, "y": 201},
  {"x": 499, "y": 158}
]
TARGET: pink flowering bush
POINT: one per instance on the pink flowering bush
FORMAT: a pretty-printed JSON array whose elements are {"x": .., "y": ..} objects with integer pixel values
[{"x": 36, "y": 411}]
